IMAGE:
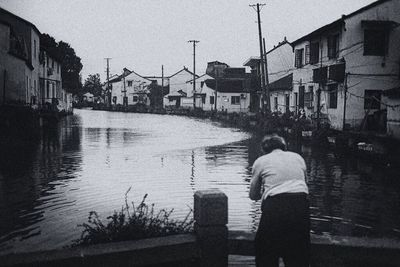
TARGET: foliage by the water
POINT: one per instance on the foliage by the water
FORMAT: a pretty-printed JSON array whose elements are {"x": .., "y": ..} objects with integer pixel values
[{"x": 133, "y": 222}]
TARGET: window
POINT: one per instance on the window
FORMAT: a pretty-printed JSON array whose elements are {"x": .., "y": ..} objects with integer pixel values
[
  {"x": 48, "y": 89},
  {"x": 48, "y": 61},
  {"x": 376, "y": 42},
  {"x": 301, "y": 96},
  {"x": 58, "y": 68},
  {"x": 372, "y": 99},
  {"x": 211, "y": 100},
  {"x": 235, "y": 100},
  {"x": 309, "y": 97},
  {"x": 298, "y": 61},
  {"x": 34, "y": 49},
  {"x": 307, "y": 56},
  {"x": 130, "y": 83},
  {"x": 276, "y": 103},
  {"x": 314, "y": 53},
  {"x": 52, "y": 64},
  {"x": 332, "y": 95},
  {"x": 135, "y": 97},
  {"x": 333, "y": 46}
]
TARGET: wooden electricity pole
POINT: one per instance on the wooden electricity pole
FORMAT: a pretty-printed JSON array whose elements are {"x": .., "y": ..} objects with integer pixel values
[
  {"x": 108, "y": 81},
  {"x": 194, "y": 71},
  {"x": 162, "y": 86},
  {"x": 256, "y": 7}
]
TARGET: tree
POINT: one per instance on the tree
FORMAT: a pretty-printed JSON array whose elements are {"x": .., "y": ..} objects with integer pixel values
[
  {"x": 71, "y": 64},
  {"x": 92, "y": 85},
  {"x": 156, "y": 94}
]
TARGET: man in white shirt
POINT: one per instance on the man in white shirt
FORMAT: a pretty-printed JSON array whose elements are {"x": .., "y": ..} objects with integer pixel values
[{"x": 279, "y": 180}]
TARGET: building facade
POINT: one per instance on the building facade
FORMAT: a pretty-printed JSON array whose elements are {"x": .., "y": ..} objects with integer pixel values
[
  {"x": 19, "y": 60},
  {"x": 343, "y": 69}
]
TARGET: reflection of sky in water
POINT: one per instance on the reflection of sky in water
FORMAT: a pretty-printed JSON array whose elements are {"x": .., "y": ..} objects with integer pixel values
[{"x": 91, "y": 161}]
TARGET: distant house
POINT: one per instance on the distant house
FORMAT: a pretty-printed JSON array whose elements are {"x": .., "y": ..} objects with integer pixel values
[
  {"x": 205, "y": 96},
  {"x": 351, "y": 68},
  {"x": 130, "y": 88},
  {"x": 88, "y": 97},
  {"x": 179, "y": 95},
  {"x": 280, "y": 77},
  {"x": 232, "y": 90},
  {"x": 51, "y": 92},
  {"x": 19, "y": 60}
]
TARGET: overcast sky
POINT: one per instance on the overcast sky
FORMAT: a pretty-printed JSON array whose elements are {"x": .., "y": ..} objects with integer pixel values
[{"x": 144, "y": 34}]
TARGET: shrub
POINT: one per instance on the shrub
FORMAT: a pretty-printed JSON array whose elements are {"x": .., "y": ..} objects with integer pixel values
[{"x": 132, "y": 223}]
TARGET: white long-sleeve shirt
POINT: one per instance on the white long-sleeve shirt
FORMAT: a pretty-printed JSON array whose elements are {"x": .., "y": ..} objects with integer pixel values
[{"x": 276, "y": 173}]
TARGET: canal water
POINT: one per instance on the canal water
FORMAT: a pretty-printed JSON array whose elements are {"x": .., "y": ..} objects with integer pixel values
[{"x": 92, "y": 158}]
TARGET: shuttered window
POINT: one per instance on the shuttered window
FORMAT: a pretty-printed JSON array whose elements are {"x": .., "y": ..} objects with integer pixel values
[
  {"x": 332, "y": 95},
  {"x": 314, "y": 53},
  {"x": 307, "y": 56},
  {"x": 333, "y": 46},
  {"x": 298, "y": 63}
]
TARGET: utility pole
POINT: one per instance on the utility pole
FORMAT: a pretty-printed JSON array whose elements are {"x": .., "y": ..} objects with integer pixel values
[
  {"x": 266, "y": 78},
  {"x": 108, "y": 81},
  {"x": 162, "y": 86},
  {"x": 261, "y": 52},
  {"x": 125, "y": 101},
  {"x": 194, "y": 71},
  {"x": 344, "y": 102}
]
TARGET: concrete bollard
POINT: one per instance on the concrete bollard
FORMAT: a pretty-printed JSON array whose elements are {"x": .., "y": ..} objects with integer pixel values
[{"x": 211, "y": 217}]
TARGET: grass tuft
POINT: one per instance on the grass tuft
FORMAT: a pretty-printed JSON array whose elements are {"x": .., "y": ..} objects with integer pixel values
[{"x": 132, "y": 223}]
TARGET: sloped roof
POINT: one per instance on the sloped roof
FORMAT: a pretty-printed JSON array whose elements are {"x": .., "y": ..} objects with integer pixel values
[
  {"x": 19, "y": 18},
  {"x": 184, "y": 69},
  {"x": 338, "y": 22},
  {"x": 227, "y": 85},
  {"x": 284, "y": 84}
]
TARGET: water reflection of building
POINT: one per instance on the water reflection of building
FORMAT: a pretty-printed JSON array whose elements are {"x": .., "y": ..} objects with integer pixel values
[{"x": 29, "y": 174}]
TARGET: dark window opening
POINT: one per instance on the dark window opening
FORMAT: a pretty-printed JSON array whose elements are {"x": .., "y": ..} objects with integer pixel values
[
  {"x": 212, "y": 100},
  {"x": 314, "y": 53},
  {"x": 332, "y": 95},
  {"x": 372, "y": 99},
  {"x": 333, "y": 46},
  {"x": 130, "y": 83},
  {"x": 376, "y": 42},
  {"x": 235, "y": 100},
  {"x": 135, "y": 98},
  {"x": 276, "y": 103}
]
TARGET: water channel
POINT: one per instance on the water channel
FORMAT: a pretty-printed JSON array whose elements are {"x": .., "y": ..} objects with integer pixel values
[{"x": 93, "y": 157}]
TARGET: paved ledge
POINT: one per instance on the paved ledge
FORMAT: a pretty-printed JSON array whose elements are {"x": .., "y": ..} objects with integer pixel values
[
  {"x": 332, "y": 251},
  {"x": 137, "y": 253}
]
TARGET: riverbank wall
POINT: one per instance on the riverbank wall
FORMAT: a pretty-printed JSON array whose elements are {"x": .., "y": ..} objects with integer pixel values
[
  {"x": 22, "y": 125},
  {"x": 210, "y": 245},
  {"x": 380, "y": 147}
]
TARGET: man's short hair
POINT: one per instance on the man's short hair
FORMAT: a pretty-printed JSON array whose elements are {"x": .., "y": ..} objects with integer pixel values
[{"x": 272, "y": 142}]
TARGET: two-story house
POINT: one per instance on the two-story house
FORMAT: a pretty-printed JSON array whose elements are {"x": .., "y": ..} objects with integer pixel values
[
  {"x": 51, "y": 92},
  {"x": 129, "y": 88},
  {"x": 19, "y": 60},
  {"x": 179, "y": 95},
  {"x": 343, "y": 69}
]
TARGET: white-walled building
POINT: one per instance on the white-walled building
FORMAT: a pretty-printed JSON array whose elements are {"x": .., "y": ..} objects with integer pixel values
[
  {"x": 179, "y": 95},
  {"x": 205, "y": 96},
  {"x": 355, "y": 56},
  {"x": 280, "y": 67},
  {"x": 130, "y": 88}
]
